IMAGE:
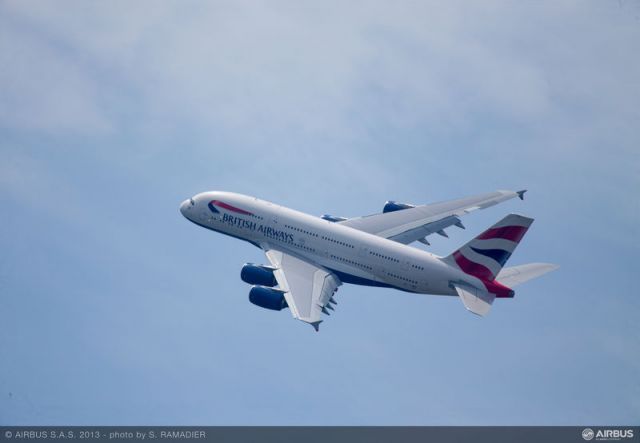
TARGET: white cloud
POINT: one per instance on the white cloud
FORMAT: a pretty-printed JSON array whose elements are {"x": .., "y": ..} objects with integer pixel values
[
  {"x": 259, "y": 70},
  {"x": 277, "y": 83},
  {"x": 347, "y": 103},
  {"x": 44, "y": 89}
]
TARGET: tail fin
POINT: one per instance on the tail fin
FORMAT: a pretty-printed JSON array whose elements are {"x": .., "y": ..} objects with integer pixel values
[{"x": 484, "y": 256}]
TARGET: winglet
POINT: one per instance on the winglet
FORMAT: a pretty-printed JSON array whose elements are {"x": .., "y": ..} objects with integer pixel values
[{"x": 521, "y": 194}]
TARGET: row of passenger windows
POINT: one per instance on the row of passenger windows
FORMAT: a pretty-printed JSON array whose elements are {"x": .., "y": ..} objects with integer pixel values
[
  {"x": 395, "y": 260},
  {"x": 386, "y": 257},
  {"x": 355, "y": 263},
  {"x": 408, "y": 280},
  {"x": 304, "y": 231},
  {"x": 313, "y": 234},
  {"x": 338, "y": 242},
  {"x": 306, "y": 248}
]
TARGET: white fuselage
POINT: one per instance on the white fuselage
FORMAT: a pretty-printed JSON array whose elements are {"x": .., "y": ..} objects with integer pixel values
[{"x": 355, "y": 256}]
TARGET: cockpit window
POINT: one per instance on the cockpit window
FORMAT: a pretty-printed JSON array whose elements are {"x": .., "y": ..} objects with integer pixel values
[{"x": 192, "y": 202}]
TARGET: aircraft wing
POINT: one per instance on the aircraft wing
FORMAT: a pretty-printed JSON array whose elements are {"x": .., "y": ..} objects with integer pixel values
[
  {"x": 409, "y": 225},
  {"x": 308, "y": 288}
]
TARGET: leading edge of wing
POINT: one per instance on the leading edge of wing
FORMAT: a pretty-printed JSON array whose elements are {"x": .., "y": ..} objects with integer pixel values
[{"x": 391, "y": 224}]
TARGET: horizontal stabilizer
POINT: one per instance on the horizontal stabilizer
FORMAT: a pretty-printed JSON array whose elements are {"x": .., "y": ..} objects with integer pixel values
[
  {"x": 475, "y": 300},
  {"x": 515, "y": 275}
]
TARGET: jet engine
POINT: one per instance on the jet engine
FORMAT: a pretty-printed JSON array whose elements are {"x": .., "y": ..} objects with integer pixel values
[
  {"x": 267, "y": 298},
  {"x": 258, "y": 275},
  {"x": 391, "y": 206},
  {"x": 333, "y": 218}
]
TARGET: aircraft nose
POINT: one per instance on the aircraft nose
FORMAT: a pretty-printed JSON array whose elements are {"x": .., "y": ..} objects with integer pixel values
[{"x": 184, "y": 207}]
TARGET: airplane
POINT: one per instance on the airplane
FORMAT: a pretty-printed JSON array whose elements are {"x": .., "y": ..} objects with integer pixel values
[{"x": 310, "y": 257}]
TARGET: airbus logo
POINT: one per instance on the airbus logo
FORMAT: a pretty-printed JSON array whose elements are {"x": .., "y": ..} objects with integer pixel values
[{"x": 607, "y": 434}]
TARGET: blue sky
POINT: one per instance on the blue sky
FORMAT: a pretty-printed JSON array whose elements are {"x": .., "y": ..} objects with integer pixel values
[{"x": 115, "y": 310}]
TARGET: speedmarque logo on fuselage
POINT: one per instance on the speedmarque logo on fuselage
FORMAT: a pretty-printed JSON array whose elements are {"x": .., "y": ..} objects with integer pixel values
[{"x": 250, "y": 225}]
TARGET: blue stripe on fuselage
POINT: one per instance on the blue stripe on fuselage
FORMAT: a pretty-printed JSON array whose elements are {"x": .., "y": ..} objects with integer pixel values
[
  {"x": 355, "y": 280},
  {"x": 360, "y": 281},
  {"x": 212, "y": 208}
]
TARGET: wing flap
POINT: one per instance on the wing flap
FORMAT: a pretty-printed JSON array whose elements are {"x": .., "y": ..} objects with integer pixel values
[{"x": 427, "y": 229}]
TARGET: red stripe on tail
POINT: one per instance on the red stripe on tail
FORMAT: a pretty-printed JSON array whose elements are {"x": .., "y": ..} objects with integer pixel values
[
  {"x": 484, "y": 274},
  {"x": 498, "y": 288},
  {"x": 513, "y": 233},
  {"x": 472, "y": 268}
]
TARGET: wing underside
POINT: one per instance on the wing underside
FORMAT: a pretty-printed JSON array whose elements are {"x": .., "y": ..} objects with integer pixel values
[{"x": 308, "y": 288}]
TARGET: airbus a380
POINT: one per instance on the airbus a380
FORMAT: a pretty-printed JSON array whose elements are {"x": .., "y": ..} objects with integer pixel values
[{"x": 309, "y": 256}]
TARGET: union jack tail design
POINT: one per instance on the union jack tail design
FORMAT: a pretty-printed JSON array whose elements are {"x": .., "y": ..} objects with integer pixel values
[{"x": 484, "y": 256}]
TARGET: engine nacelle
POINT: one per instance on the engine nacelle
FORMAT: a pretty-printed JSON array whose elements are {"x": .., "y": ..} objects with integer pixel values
[
  {"x": 391, "y": 206},
  {"x": 258, "y": 275},
  {"x": 267, "y": 298},
  {"x": 333, "y": 218}
]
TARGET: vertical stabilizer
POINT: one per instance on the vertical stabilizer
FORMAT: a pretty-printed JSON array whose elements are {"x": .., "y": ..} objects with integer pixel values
[{"x": 484, "y": 256}]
